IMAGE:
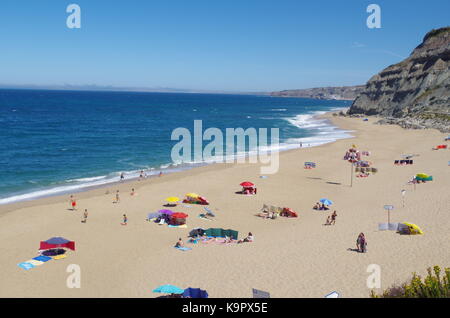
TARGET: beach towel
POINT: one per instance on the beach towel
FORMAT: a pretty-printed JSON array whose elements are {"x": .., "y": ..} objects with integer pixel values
[
  {"x": 25, "y": 265},
  {"x": 183, "y": 248},
  {"x": 179, "y": 226},
  {"x": 42, "y": 258},
  {"x": 59, "y": 256},
  {"x": 202, "y": 216},
  {"x": 34, "y": 262},
  {"x": 208, "y": 211}
]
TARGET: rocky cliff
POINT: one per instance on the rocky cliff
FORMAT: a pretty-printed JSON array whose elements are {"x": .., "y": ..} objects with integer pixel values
[
  {"x": 340, "y": 93},
  {"x": 414, "y": 93}
]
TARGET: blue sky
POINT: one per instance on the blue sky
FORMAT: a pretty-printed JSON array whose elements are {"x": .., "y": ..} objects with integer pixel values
[{"x": 232, "y": 45}]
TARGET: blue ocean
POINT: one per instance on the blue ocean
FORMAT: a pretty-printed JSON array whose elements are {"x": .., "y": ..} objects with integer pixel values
[{"x": 56, "y": 142}]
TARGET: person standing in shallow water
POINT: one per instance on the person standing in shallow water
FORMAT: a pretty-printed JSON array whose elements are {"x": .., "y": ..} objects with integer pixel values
[{"x": 122, "y": 177}]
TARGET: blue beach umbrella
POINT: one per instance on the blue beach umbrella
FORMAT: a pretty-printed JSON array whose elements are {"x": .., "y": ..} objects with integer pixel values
[
  {"x": 168, "y": 289},
  {"x": 153, "y": 215},
  {"x": 326, "y": 201}
]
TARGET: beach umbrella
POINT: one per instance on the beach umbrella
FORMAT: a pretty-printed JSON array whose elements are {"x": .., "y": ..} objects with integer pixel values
[
  {"x": 247, "y": 184},
  {"x": 153, "y": 215},
  {"x": 326, "y": 201},
  {"x": 168, "y": 212},
  {"x": 55, "y": 242},
  {"x": 414, "y": 229},
  {"x": 192, "y": 195},
  {"x": 172, "y": 199},
  {"x": 168, "y": 289},
  {"x": 422, "y": 175},
  {"x": 179, "y": 215}
]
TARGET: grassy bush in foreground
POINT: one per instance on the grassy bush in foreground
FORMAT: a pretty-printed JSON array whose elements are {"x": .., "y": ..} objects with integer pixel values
[{"x": 433, "y": 286}]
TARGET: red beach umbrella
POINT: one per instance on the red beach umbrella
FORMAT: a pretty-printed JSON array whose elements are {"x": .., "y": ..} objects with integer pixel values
[
  {"x": 179, "y": 215},
  {"x": 247, "y": 184}
]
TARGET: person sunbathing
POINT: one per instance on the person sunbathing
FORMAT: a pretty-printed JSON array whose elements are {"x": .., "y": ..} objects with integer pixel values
[
  {"x": 180, "y": 243},
  {"x": 316, "y": 206},
  {"x": 249, "y": 238}
]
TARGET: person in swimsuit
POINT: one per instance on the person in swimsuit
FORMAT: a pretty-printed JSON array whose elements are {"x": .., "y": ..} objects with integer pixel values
[
  {"x": 85, "y": 216},
  {"x": 249, "y": 238},
  {"x": 73, "y": 203},
  {"x": 333, "y": 218},
  {"x": 122, "y": 177},
  {"x": 125, "y": 219},
  {"x": 117, "y": 197},
  {"x": 132, "y": 192},
  {"x": 180, "y": 243}
]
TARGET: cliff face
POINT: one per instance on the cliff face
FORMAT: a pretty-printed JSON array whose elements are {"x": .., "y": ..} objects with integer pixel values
[
  {"x": 339, "y": 93},
  {"x": 416, "y": 90}
]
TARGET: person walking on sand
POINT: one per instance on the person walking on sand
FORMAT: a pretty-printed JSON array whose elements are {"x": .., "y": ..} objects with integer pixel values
[
  {"x": 125, "y": 219},
  {"x": 132, "y": 191},
  {"x": 361, "y": 243},
  {"x": 73, "y": 203},
  {"x": 160, "y": 173},
  {"x": 117, "y": 197},
  {"x": 333, "y": 218},
  {"x": 85, "y": 216}
]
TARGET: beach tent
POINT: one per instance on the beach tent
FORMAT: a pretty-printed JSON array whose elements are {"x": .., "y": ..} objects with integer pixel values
[
  {"x": 196, "y": 232},
  {"x": 178, "y": 218},
  {"x": 55, "y": 242},
  {"x": 194, "y": 198},
  {"x": 195, "y": 293},
  {"x": 168, "y": 212},
  {"x": 310, "y": 165},
  {"x": 216, "y": 232},
  {"x": 423, "y": 177},
  {"x": 409, "y": 228},
  {"x": 168, "y": 289}
]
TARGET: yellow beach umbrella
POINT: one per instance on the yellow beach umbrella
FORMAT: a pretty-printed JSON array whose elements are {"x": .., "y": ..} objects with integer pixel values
[
  {"x": 422, "y": 175},
  {"x": 172, "y": 199},
  {"x": 192, "y": 195},
  {"x": 414, "y": 229}
]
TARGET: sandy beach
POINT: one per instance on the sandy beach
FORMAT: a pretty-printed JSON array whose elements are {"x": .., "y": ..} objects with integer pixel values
[{"x": 295, "y": 257}]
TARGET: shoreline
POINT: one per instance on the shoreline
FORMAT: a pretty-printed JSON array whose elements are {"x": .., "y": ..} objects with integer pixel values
[{"x": 317, "y": 115}]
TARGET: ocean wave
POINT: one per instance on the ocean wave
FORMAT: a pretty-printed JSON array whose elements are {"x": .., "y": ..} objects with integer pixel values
[{"x": 322, "y": 132}]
